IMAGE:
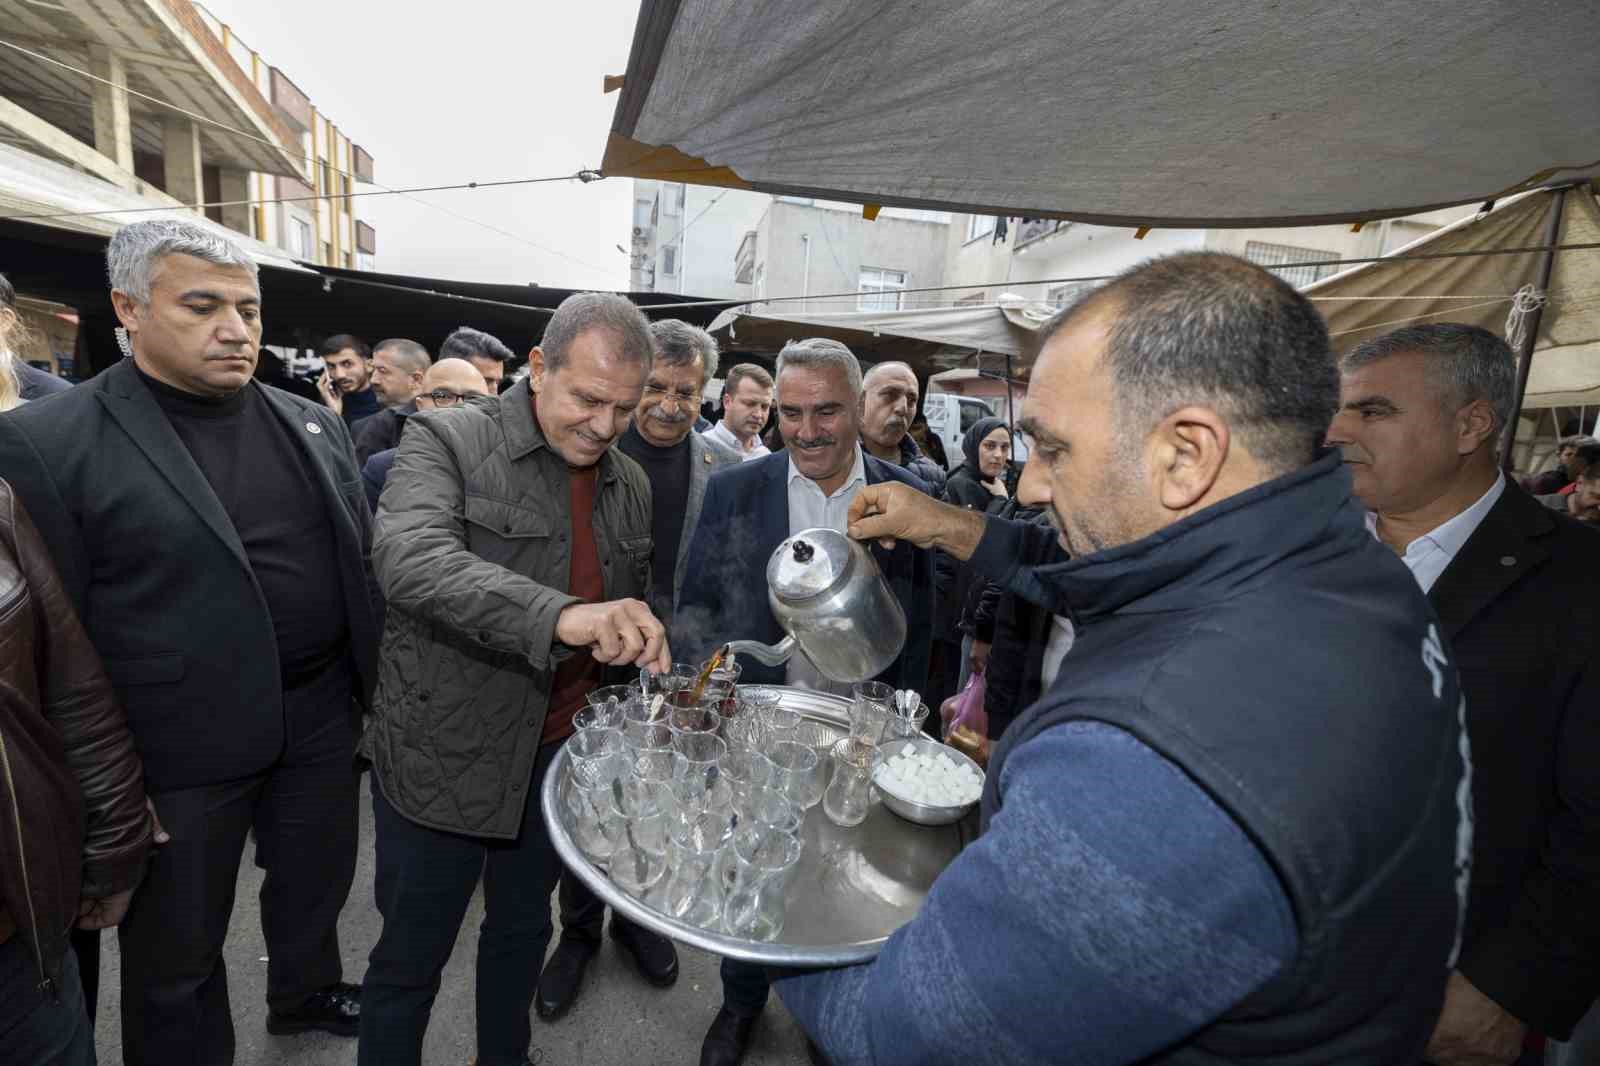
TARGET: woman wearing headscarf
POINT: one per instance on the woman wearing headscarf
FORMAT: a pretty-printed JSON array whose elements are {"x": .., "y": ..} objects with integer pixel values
[{"x": 983, "y": 482}]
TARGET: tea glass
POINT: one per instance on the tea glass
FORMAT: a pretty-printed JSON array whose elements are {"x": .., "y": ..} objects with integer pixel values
[
  {"x": 796, "y": 772},
  {"x": 905, "y": 723},
  {"x": 754, "y": 908},
  {"x": 870, "y": 708},
  {"x": 848, "y": 797}
]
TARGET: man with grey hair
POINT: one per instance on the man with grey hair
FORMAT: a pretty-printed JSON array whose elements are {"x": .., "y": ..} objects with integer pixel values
[
  {"x": 513, "y": 548},
  {"x": 398, "y": 366},
  {"x": 213, "y": 535},
  {"x": 678, "y": 464},
  {"x": 749, "y": 510},
  {"x": 1422, "y": 413}
]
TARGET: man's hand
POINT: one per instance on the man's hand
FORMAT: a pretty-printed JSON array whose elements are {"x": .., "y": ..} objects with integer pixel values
[
  {"x": 104, "y": 913},
  {"x": 331, "y": 394},
  {"x": 980, "y": 655},
  {"x": 618, "y": 633},
  {"x": 890, "y": 512},
  {"x": 1474, "y": 1030}
]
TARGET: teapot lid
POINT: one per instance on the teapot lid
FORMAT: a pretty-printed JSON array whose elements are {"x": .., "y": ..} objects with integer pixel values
[{"x": 808, "y": 564}]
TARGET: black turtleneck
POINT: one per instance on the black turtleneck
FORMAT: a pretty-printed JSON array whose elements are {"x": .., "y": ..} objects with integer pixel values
[
  {"x": 265, "y": 483},
  {"x": 668, "y": 472}
]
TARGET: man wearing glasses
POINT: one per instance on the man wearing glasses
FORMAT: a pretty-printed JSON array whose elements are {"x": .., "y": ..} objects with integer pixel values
[
  {"x": 678, "y": 463},
  {"x": 446, "y": 384}
]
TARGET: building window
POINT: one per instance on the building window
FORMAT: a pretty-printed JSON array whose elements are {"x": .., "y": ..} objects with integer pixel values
[
  {"x": 327, "y": 253},
  {"x": 1062, "y": 295},
  {"x": 669, "y": 259},
  {"x": 299, "y": 238},
  {"x": 979, "y": 226},
  {"x": 675, "y": 194},
  {"x": 880, "y": 289},
  {"x": 760, "y": 281},
  {"x": 1272, "y": 256}
]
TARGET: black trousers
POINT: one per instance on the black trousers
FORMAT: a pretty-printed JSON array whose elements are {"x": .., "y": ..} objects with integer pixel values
[
  {"x": 303, "y": 810},
  {"x": 425, "y": 878},
  {"x": 583, "y": 913}
]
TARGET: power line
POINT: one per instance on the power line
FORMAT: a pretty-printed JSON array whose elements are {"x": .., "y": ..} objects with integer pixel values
[
  {"x": 283, "y": 199},
  {"x": 1415, "y": 257},
  {"x": 584, "y": 175}
]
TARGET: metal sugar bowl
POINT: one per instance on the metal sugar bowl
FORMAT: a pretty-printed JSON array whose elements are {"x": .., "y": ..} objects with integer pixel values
[{"x": 829, "y": 596}]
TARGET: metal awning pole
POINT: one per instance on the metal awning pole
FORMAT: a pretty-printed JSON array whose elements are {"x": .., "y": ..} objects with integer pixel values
[{"x": 1552, "y": 230}]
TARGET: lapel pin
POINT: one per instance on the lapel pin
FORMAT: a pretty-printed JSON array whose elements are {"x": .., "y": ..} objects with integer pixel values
[
  {"x": 312, "y": 427},
  {"x": 1508, "y": 560},
  {"x": 707, "y": 458}
]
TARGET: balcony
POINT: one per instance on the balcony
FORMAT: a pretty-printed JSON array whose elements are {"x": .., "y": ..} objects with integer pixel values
[
  {"x": 366, "y": 238},
  {"x": 293, "y": 105},
  {"x": 744, "y": 260},
  {"x": 362, "y": 164}
]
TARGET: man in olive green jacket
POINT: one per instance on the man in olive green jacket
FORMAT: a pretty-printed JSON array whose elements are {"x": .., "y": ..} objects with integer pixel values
[{"x": 513, "y": 547}]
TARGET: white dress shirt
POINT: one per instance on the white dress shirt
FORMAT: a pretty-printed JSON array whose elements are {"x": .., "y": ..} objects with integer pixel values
[
  {"x": 1431, "y": 553},
  {"x": 810, "y": 509},
  {"x": 1055, "y": 649},
  {"x": 754, "y": 450}
]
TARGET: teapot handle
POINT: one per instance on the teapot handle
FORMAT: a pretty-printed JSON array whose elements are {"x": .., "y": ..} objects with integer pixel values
[{"x": 766, "y": 654}]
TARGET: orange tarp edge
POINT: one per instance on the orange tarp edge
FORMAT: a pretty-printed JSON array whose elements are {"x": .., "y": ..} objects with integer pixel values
[{"x": 628, "y": 158}]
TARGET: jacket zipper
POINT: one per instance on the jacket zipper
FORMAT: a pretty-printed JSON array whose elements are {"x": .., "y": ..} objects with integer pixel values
[{"x": 45, "y": 984}]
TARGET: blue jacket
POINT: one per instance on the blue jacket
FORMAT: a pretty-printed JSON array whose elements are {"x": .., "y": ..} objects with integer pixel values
[{"x": 724, "y": 592}]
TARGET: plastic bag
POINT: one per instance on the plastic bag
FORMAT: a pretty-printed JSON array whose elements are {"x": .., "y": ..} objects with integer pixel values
[{"x": 966, "y": 725}]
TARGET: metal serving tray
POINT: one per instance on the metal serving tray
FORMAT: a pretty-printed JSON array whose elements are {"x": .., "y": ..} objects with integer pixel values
[{"x": 853, "y": 887}]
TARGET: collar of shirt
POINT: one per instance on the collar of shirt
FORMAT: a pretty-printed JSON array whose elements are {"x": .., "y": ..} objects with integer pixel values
[
  {"x": 1429, "y": 554},
  {"x": 857, "y": 478},
  {"x": 730, "y": 438}
]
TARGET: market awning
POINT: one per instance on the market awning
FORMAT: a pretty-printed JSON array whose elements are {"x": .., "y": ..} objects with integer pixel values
[
  {"x": 1121, "y": 112},
  {"x": 931, "y": 339},
  {"x": 1369, "y": 300}
]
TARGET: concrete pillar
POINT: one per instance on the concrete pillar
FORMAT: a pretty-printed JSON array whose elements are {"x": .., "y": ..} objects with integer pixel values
[
  {"x": 113, "y": 130},
  {"x": 181, "y": 142},
  {"x": 237, "y": 216}
]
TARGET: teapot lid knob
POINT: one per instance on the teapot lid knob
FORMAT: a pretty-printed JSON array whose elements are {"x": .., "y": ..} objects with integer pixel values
[{"x": 803, "y": 552}]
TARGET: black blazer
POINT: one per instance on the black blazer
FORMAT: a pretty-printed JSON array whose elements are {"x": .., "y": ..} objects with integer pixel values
[
  {"x": 159, "y": 577},
  {"x": 1520, "y": 604},
  {"x": 744, "y": 519}
]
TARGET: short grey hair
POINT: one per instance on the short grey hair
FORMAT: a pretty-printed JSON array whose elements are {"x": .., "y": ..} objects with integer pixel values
[
  {"x": 820, "y": 353},
  {"x": 409, "y": 354},
  {"x": 585, "y": 311},
  {"x": 679, "y": 344},
  {"x": 1464, "y": 364},
  {"x": 134, "y": 251}
]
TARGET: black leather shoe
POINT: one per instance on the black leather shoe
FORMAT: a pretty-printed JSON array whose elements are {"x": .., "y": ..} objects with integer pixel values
[
  {"x": 563, "y": 974},
  {"x": 336, "y": 1009},
  {"x": 727, "y": 1040},
  {"x": 655, "y": 956}
]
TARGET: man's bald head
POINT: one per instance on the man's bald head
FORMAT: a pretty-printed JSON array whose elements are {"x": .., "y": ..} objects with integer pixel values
[
  {"x": 453, "y": 380},
  {"x": 889, "y": 396}
]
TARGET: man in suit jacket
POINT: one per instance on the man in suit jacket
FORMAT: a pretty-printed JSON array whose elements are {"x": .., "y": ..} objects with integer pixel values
[
  {"x": 212, "y": 534},
  {"x": 1518, "y": 596},
  {"x": 749, "y": 510},
  {"x": 678, "y": 463}
]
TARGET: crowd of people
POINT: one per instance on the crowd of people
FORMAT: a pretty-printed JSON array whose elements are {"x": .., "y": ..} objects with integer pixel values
[{"x": 1289, "y": 686}]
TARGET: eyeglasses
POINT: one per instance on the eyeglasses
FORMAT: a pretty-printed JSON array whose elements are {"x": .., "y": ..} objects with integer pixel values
[
  {"x": 691, "y": 398},
  {"x": 448, "y": 398}
]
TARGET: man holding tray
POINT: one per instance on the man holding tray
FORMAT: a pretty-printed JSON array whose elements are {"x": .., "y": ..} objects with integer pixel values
[{"x": 1237, "y": 827}]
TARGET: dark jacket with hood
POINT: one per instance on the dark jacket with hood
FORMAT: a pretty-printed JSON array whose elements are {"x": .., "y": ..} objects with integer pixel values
[{"x": 931, "y": 473}]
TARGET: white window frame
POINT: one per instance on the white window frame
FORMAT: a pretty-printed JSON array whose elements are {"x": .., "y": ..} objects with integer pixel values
[
  {"x": 979, "y": 227},
  {"x": 881, "y": 289},
  {"x": 300, "y": 238},
  {"x": 1269, "y": 255}
]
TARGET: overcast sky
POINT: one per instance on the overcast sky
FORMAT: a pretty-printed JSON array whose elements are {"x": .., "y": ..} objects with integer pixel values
[{"x": 470, "y": 90}]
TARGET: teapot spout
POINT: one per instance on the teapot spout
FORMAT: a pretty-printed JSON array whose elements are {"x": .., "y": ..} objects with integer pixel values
[{"x": 766, "y": 654}]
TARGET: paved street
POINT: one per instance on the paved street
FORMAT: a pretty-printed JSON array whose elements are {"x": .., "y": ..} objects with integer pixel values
[{"x": 618, "y": 1020}]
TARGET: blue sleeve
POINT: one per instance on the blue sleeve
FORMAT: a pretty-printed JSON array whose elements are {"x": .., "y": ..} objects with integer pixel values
[{"x": 1110, "y": 910}]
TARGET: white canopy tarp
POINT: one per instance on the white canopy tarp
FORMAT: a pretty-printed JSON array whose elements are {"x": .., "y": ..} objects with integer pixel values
[
  {"x": 1369, "y": 300},
  {"x": 932, "y": 338},
  {"x": 1119, "y": 112}
]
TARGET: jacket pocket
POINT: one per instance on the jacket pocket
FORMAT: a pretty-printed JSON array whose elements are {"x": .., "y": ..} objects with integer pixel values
[
  {"x": 145, "y": 669},
  {"x": 505, "y": 519},
  {"x": 638, "y": 550}
]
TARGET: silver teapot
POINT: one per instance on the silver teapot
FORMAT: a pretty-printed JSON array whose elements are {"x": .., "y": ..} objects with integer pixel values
[{"x": 833, "y": 602}]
